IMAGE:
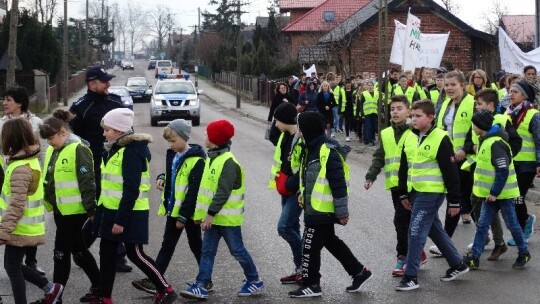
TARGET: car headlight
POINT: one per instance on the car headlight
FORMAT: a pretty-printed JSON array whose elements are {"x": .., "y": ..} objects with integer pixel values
[
  {"x": 194, "y": 102},
  {"x": 157, "y": 101}
]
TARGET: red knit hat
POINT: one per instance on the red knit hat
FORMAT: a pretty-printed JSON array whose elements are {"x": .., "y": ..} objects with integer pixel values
[{"x": 220, "y": 132}]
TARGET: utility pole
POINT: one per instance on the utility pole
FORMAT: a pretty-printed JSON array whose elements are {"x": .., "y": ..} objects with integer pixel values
[
  {"x": 12, "y": 44},
  {"x": 86, "y": 39},
  {"x": 197, "y": 37},
  {"x": 112, "y": 54},
  {"x": 382, "y": 76},
  {"x": 65, "y": 54},
  {"x": 238, "y": 55}
]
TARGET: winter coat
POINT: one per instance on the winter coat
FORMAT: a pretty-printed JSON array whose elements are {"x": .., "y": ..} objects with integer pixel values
[
  {"x": 135, "y": 223},
  {"x": 24, "y": 182},
  {"x": 309, "y": 99},
  {"x": 276, "y": 101},
  {"x": 35, "y": 122},
  {"x": 322, "y": 103}
]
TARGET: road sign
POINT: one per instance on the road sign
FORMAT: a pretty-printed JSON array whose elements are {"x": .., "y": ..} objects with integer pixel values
[{"x": 162, "y": 55}]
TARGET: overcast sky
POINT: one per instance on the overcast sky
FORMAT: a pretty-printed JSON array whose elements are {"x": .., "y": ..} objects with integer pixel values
[{"x": 186, "y": 10}]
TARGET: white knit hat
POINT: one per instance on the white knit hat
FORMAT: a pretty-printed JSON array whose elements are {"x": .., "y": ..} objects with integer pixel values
[{"x": 119, "y": 119}]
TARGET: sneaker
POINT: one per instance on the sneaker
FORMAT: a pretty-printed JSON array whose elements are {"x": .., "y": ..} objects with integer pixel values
[
  {"x": 145, "y": 285},
  {"x": 294, "y": 278},
  {"x": 347, "y": 139},
  {"x": 250, "y": 288},
  {"x": 306, "y": 292},
  {"x": 498, "y": 250},
  {"x": 511, "y": 242},
  {"x": 522, "y": 259},
  {"x": 210, "y": 286},
  {"x": 529, "y": 226},
  {"x": 466, "y": 218},
  {"x": 123, "y": 267},
  {"x": 454, "y": 272},
  {"x": 471, "y": 261},
  {"x": 435, "y": 251},
  {"x": 53, "y": 296},
  {"x": 488, "y": 240},
  {"x": 92, "y": 295},
  {"x": 359, "y": 280},
  {"x": 194, "y": 291},
  {"x": 423, "y": 258},
  {"x": 399, "y": 269},
  {"x": 36, "y": 268},
  {"x": 333, "y": 135},
  {"x": 408, "y": 283},
  {"x": 166, "y": 297}
]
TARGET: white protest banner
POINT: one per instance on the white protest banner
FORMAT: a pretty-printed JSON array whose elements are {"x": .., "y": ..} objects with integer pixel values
[
  {"x": 312, "y": 69},
  {"x": 433, "y": 46},
  {"x": 412, "y": 48},
  {"x": 512, "y": 58}
]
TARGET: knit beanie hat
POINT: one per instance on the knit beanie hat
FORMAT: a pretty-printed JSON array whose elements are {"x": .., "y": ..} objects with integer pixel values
[
  {"x": 311, "y": 124},
  {"x": 181, "y": 127},
  {"x": 219, "y": 132},
  {"x": 483, "y": 120},
  {"x": 286, "y": 113},
  {"x": 120, "y": 119},
  {"x": 525, "y": 89}
]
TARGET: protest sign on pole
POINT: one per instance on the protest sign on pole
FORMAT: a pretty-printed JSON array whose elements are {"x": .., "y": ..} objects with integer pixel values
[
  {"x": 513, "y": 59},
  {"x": 412, "y": 48},
  {"x": 312, "y": 69}
]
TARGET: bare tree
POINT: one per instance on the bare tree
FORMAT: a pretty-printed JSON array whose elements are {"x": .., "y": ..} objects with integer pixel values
[
  {"x": 12, "y": 44},
  {"x": 452, "y": 6},
  {"x": 119, "y": 18},
  {"x": 135, "y": 21},
  {"x": 492, "y": 18},
  {"x": 160, "y": 24}
]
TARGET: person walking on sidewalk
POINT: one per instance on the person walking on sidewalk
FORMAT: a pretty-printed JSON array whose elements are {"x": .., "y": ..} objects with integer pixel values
[
  {"x": 70, "y": 192},
  {"x": 286, "y": 183},
  {"x": 427, "y": 175},
  {"x": 23, "y": 216},
  {"x": 324, "y": 178},
  {"x": 496, "y": 183},
  {"x": 89, "y": 111},
  {"x": 180, "y": 185},
  {"x": 124, "y": 200}
]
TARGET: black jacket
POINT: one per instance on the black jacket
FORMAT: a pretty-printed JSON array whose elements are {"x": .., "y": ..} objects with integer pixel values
[
  {"x": 276, "y": 101},
  {"x": 448, "y": 166},
  {"x": 187, "y": 208},
  {"x": 89, "y": 111}
]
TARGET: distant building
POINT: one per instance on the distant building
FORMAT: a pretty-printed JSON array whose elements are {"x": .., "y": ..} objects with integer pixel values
[
  {"x": 3, "y": 9},
  {"x": 521, "y": 28}
]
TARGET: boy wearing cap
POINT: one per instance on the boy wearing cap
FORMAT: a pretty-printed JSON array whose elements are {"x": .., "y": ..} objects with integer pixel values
[
  {"x": 324, "y": 177},
  {"x": 526, "y": 119},
  {"x": 286, "y": 183},
  {"x": 220, "y": 211},
  {"x": 495, "y": 182},
  {"x": 180, "y": 186},
  {"x": 124, "y": 205}
]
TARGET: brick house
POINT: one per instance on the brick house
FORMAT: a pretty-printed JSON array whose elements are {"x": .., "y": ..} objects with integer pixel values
[{"x": 352, "y": 46}]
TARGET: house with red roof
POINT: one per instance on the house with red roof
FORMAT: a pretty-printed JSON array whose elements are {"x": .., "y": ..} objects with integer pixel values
[
  {"x": 521, "y": 28},
  {"x": 297, "y": 8},
  {"x": 349, "y": 42}
]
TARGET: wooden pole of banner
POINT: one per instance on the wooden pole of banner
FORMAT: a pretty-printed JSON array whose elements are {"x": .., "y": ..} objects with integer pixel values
[{"x": 382, "y": 75}]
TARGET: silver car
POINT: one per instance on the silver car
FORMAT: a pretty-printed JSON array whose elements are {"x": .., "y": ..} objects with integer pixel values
[{"x": 175, "y": 98}]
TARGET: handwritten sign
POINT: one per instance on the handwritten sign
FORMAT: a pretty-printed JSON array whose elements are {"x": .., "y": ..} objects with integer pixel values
[{"x": 412, "y": 43}]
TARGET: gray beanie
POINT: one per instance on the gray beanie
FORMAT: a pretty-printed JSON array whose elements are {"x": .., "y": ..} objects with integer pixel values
[{"x": 181, "y": 127}]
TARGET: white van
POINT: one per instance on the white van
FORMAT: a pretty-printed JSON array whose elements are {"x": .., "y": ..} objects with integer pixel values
[{"x": 163, "y": 67}]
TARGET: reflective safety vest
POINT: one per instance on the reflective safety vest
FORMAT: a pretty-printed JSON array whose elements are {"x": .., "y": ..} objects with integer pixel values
[
  {"x": 232, "y": 212},
  {"x": 339, "y": 94},
  {"x": 501, "y": 119},
  {"x": 421, "y": 93},
  {"x": 409, "y": 93},
  {"x": 462, "y": 120},
  {"x": 181, "y": 184},
  {"x": 370, "y": 102},
  {"x": 32, "y": 222},
  {"x": 388, "y": 92},
  {"x": 392, "y": 155},
  {"x": 501, "y": 93},
  {"x": 321, "y": 197},
  {"x": 484, "y": 174},
  {"x": 344, "y": 102},
  {"x": 66, "y": 184},
  {"x": 276, "y": 167},
  {"x": 527, "y": 152},
  {"x": 296, "y": 153},
  {"x": 424, "y": 173},
  {"x": 112, "y": 182},
  {"x": 434, "y": 95}
]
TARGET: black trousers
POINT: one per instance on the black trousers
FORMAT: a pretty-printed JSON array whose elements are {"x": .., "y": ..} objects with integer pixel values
[
  {"x": 69, "y": 241},
  {"x": 524, "y": 180},
  {"x": 466, "y": 182},
  {"x": 349, "y": 120},
  {"x": 135, "y": 253},
  {"x": 89, "y": 237},
  {"x": 19, "y": 273},
  {"x": 402, "y": 219},
  {"x": 170, "y": 239},
  {"x": 317, "y": 237}
]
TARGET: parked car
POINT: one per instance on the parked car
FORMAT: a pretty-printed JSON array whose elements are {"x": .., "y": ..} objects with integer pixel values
[
  {"x": 175, "y": 98},
  {"x": 163, "y": 67},
  {"x": 139, "y": 89},
  {"x": 152, "y": 64},
  {"x": 123, "y": 92},
  {"x": 128, "y": 65}
]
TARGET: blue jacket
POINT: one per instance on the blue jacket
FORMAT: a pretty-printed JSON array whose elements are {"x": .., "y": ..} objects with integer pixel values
[{"x": 309, "y": 99}]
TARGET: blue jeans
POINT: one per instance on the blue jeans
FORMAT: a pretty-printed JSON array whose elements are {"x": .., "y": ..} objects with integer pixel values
[
  {"x": 425, "y": 222},
  {"x": 370, "y": 128},
  {"x": 335, "y": 114},
  {"x": 288, "y": 226},
  {"x": 488, "y": 213},
  {"x": 233, "y": 239}
]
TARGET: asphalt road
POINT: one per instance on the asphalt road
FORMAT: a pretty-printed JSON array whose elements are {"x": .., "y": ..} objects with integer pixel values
[{"x": 370, "y": 234}]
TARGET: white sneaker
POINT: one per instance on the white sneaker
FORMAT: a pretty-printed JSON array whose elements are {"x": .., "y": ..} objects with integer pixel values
[
  {"x": 348, "y": 139},
  {"x": 435, "y": 251},
  {"x": 333, "y": 135},
  {"x": 488, "y": 240}
]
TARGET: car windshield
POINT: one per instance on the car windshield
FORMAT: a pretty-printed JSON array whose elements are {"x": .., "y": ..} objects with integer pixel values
[
  {"x": 175, "y": 88},
  {"x": 164, "y": 64},
  {"x": 153, "y": 61},
  {"x": 136, "y": 82},
  {"x": 122, "y": 92}
]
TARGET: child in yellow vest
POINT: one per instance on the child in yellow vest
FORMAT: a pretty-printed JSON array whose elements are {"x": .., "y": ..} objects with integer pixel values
[
  {"x": 23, "y": 219},
  {"x": 220, "y": 211}
]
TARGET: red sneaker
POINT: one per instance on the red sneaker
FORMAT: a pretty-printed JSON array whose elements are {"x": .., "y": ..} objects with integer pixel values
[
  {"x": 54, "y": 295},
  {"x": 294, "y": 278},
  {"x": 424, "y": 258}
]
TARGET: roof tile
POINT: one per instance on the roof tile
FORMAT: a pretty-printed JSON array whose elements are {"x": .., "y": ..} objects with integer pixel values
[{"x": 285, "y": 5}]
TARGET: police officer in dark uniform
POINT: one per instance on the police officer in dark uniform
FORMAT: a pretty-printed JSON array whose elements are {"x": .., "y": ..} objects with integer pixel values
[{"x": 89, "y": 111}]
